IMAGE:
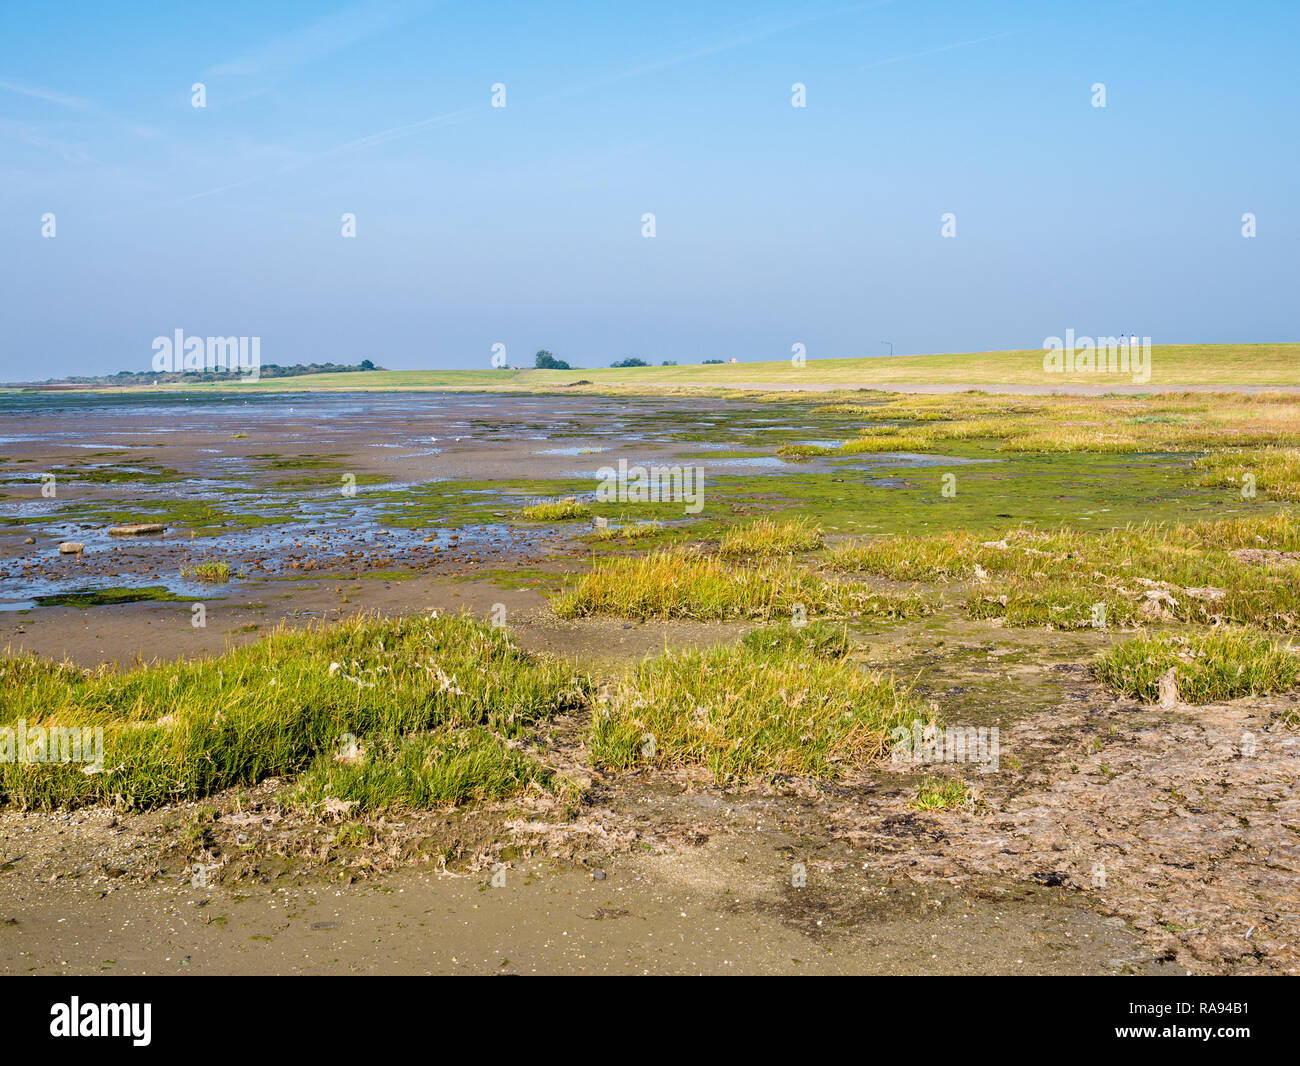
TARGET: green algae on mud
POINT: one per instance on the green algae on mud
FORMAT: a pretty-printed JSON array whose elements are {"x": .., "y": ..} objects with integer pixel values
[
  {"x": 135, "y": 473},
  {"x": 200, "y": 517},
  {"x": 114, "y": 594}
]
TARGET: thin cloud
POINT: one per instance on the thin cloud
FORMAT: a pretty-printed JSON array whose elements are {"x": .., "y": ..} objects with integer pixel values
[
  {"x": 312, "y": 42},
  {"x": 762, "y": 27},
  {"x": 750, "y": 31},
  {"x": 353, "y": 145},
  {"x": 936, "y": 51},
  {"x": 33, "y": 137},
  {"x": 73, "y": 103}
]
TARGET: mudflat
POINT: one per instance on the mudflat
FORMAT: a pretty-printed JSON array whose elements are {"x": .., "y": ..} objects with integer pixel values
[{"x": 957, "y": 547}]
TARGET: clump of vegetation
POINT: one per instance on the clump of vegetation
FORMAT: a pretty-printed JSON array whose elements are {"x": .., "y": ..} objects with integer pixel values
[
  {"x": 286, "y": 704},
  {"x": 943, "y": 794},
  {"x": 1205, "y": 572},
  {"x": 819, "y": 639},
  {"x": 680, "y": 583},
  {"x": 742, "y": 714},
  {"x": 851, "y": 409},
  {"x": 565, "y": 510},
  {"x": 1273, "y": 473},
  {"x": 765, "y": 536},
  {"x": 445, "y": 765},
  {"x": 1220, "y": 665},
  {"x": 889, "y": 439},
  {"x": 632, "y": 532},
  {"x": 213, "y": 571},
  {"x": 804, "y": 451}
]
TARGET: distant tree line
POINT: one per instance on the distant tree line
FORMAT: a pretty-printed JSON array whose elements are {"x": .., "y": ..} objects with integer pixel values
[
  {"x": 266, "y": 370},
  {"x": 545, "y": 360}
]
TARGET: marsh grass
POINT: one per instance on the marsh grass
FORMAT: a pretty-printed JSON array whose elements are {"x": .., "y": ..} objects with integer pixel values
[
  {"x": 741, "y": 713},
  {"x": 448, "y": 765},
  {"x": 819, "y": 639},
  {"x": 943, "y": 794},
  {"x": 181, "y": 731},
  {"x": 678, "y": 582},
  {"x": 1197, "y": 572},
  {"x": 565, "y": 510},
  {"x": 804, "y": 451},
  {"x": 1174, "y": 423},
  {"x": 214, "y": 571},
  {"x": 889, "y": 439},
  {"x": 765, "y": 536},
  {"x": 1276, "y": 471},
  {"x": 1220, "y": 665},
  {"x": 631, "y": 532}
]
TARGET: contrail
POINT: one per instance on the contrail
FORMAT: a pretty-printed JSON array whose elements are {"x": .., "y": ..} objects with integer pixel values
[{"x": 933, "y": 51}]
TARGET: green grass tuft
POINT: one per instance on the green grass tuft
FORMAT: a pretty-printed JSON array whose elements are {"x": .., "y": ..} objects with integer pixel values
[
  {"x": 943, "y": 794},
  {"x": 812, "y": 638},
  {"x": 564, "y": 510},
  {"x": 765, "y": 536},
  {"x": 742, "y": 714},
  {"x": 631, "y": 532},
  {"x": 218, "y": 571},
  {"x": 1208, "y": 667},
  {"x": 181, "y": 731},
  {"x": 445, "y": 766},
  {"x": 680, "y": 583}
]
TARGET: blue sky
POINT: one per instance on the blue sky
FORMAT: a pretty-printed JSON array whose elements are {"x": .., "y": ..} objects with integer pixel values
[{"x": 522, "y": 225}]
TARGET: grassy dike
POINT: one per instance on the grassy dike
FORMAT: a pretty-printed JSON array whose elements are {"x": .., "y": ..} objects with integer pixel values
[{"x": 1171, "y": 364}]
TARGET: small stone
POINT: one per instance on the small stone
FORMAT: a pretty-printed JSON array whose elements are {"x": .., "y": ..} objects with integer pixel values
[
  {"x": 1169, "y": 689},
  {"x": 598, "y": 875},
  {"x": 136, "y": 529}
]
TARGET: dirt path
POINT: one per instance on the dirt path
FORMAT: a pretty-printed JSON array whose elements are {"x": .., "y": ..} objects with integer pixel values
[
  {"x": 725, "y": 906},
  {"x": 1063, "y": 389}
]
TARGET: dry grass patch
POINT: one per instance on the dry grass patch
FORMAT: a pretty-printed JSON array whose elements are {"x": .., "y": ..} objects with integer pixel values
[{"x": 767, "y": 537}]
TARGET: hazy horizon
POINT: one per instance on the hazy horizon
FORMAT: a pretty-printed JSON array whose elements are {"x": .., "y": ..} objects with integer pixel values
[{"x": 522, "y": 225}]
